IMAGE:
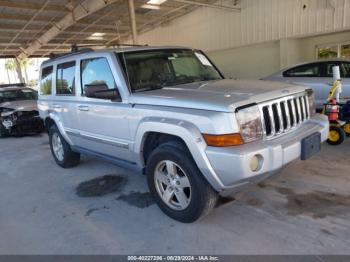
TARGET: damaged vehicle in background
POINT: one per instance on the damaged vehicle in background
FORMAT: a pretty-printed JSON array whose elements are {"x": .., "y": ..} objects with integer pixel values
[{"x": 18, "y": 111}]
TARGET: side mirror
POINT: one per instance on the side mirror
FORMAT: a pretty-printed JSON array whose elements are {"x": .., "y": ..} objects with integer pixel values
[{"x": 101, "y": 91}]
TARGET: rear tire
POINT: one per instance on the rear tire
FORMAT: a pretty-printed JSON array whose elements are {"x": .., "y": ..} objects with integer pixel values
[
  {"x": 171, "y": 170},
  {"x": 61, "y": 150},
  {"x": 336, "y": 135}
]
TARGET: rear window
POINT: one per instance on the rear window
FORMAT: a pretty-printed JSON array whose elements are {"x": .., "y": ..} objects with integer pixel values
[
  {"x": 312, "y": 70},
  {"x": 346, "y": 70},
  {"x": 17, "y": 95},
  {"x": 329, "y": 69},
  {"x": 46, "y": 81}
]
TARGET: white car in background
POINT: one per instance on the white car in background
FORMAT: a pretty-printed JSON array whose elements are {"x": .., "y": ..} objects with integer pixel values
[{"x": 318, "y": 76}]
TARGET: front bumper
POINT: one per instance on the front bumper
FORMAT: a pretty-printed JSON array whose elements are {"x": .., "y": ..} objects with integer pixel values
[
  {"x": 24, "y": 126},
  {"x": 232, "y": 164}
]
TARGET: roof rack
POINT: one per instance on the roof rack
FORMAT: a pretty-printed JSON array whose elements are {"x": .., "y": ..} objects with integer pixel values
[
  {"x": 13, "y": 85},
  {"x": 75, "y": 50},
  {"x": 110, "y": 45}
]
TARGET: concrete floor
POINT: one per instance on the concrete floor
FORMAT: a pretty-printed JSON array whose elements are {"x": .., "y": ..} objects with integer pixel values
[{"x": 305, "y": 209}]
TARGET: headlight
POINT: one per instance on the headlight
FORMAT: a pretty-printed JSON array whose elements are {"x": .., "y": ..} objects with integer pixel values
[
  {"x": 7, "y": 123},
  {"x": 6, "y": 113},
  {"x": 312, "y": 101},
  {"x": 250, "y": 123}
]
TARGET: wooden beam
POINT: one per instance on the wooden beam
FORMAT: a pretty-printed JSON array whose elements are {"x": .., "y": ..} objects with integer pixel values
[
  {"x": 216, "y": 6},
  {"x": 31, "y": 6},
  {"x": 85, "y": 8},
  {"x": 73, "y": 29},
  {"x": 28, "y": 22}
]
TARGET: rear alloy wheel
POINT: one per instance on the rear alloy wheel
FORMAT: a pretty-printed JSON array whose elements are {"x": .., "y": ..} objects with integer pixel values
[
  {"x": 336, "y": 135},
  {"x": 57, "y": 147},
  {"x": 61, "y": 150},
  {"x": 176, "y": 183}
]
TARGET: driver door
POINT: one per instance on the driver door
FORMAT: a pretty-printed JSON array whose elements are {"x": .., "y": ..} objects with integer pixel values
[{"x": 103, "y": 124}]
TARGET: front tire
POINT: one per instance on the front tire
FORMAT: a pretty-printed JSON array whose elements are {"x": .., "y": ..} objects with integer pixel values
[
  {"x": 179, "y": 188},
  {"x": 61, "y": 150}
]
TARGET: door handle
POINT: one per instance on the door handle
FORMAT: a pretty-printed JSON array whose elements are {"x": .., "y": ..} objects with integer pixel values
[
  {"x": 55, "y": 106},
  {"x": 83, "y": 108}
]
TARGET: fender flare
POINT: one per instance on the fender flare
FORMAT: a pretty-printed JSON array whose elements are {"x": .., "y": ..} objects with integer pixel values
[
  {"x": 185, "y": 130},
  {"x": 59, "y": 125}
]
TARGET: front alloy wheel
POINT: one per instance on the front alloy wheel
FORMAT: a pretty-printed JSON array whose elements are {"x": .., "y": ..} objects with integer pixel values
[
  {"x": 176, "y": 183},
  {"x": 173, "y": 185}
]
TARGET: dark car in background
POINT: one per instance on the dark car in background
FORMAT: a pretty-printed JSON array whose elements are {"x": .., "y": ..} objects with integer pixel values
[{"x": 18, "y": 111}]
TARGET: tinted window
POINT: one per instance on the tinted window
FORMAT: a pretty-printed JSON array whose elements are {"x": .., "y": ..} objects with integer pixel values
[
  {"x": 16, "y": 95},
  {"x": 313, "y": 70},
  {"x": 96, "y": 71},
  {"x": 46, "y": 81},
  {"x": 329, "y": 69},
  {"x": 346, "y": 69},
  {"x": 65, "y": 79}
]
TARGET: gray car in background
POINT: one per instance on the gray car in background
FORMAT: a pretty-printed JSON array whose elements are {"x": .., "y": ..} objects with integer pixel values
[{"x": 318, "y": 76}]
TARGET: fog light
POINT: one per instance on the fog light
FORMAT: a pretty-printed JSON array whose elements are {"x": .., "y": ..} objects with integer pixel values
[
  {"x": 256, "y": 163},
  {"x": 7, "y": 123}
]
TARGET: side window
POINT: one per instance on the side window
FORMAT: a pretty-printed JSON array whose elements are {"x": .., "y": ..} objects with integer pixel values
[
  {"x": 313, "y": 70},
  {"x": 96, "y": 71},
  {"x": 346, "y": 70},
  {"x": 329, "y": 69},
  {"x": 65, "y": 79},
  {"x": 46, "y": 81}
]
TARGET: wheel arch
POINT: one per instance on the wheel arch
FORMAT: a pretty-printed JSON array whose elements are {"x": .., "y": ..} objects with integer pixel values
[
  {"x": 161, "y": 129},
  {"x": 54, "y": 120}
]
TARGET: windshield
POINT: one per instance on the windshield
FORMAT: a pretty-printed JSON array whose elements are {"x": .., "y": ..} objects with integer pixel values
[
  {"x": 19, "y": 94},
  {"x": 153, "y": 69}
]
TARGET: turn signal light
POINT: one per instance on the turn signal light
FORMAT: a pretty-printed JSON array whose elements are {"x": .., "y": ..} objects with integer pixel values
[{"x": 223, "y": 140}]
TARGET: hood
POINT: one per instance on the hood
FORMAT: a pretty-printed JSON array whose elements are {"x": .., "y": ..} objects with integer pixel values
[
  {"x": 21, "y": 105},
  {"x": 218, "y": 95}
]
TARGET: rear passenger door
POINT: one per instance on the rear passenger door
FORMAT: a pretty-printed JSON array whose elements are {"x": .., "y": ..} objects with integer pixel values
[
  {"x": 65, "y": 95},
  {"x": 103, "y": 124}
]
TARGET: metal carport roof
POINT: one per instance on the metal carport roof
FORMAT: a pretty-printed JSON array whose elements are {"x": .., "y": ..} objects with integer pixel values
[{"x": 39, "y": 27}]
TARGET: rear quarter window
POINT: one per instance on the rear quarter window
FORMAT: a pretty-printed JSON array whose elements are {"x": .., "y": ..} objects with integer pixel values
[{"x": 46, "y": 81}]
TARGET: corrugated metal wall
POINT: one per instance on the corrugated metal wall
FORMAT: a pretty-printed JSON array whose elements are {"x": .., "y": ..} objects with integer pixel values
[{"x": 259, "y": 21}]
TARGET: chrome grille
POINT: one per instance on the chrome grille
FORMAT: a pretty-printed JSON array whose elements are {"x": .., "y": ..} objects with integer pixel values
[{"x": 284, "y": 114}]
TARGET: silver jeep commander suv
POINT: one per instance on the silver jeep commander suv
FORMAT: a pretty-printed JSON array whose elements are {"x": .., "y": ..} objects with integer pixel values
[{"x": 169, "y": 112}]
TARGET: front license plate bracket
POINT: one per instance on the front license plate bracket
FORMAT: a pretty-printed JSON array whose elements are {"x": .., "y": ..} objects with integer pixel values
[{"x": 310, "y": 146}]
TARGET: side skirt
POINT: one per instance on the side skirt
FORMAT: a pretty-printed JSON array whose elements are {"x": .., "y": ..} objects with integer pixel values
[{"x": 117, "y": 161}]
